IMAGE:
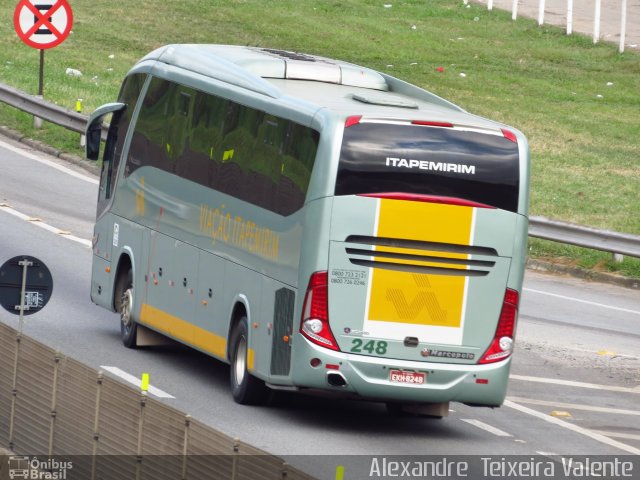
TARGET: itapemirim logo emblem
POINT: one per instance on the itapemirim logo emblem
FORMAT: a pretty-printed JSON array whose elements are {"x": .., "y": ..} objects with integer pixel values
[{"x": 35, "y": 469}]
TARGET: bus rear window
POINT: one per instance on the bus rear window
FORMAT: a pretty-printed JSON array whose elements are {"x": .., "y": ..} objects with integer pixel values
[{"x": 479, "y": 167}]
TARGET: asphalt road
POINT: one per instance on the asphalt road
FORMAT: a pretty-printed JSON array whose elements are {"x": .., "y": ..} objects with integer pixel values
[{"x": 577, "y": 352}]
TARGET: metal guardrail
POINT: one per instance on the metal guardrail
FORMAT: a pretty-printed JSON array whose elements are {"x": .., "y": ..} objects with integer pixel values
[
  {"x": 539, "y": 227},
  {"x": 604, "y": 240},
  {"x": 74, "y": 121},
  {"x": 36, "y": 106}
]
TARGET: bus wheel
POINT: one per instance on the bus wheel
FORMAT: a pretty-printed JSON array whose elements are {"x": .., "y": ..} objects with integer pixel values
[
  {"x": 128, "y": 326},
  {"x": 245, "y": 388}
]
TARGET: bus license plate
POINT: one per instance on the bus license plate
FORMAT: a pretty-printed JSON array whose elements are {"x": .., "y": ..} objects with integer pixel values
[{"x": 401, "y": 376}]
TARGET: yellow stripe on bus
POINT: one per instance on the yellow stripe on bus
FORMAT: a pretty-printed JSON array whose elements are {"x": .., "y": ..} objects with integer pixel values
[
  {"x": 184, "y": 331},
  {"x": 251, "y": 356},
  {"x": 413, "y": 298}
]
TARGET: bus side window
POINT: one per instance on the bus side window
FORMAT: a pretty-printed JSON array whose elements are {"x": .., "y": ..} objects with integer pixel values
[
  {"x": 120, "y": 122},
  {"x": 200, "y": 161},
  {"x": 238, "y": 149},
  {"x": 109, "y": 163},
  {"x": 263, "y": 170},
  {"x": 241, "y": 151},
  {"x": 299, "y": 153},
  {"x": 150, "y": 145},
  {"x": 177, "y": 124}
]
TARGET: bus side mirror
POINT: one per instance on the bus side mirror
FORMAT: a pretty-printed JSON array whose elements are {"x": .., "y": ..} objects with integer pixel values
[{"x": 93, "y": 132}]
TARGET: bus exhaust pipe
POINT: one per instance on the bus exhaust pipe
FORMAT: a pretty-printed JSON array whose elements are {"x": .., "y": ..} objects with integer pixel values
[{"x": 336, "y": 379}]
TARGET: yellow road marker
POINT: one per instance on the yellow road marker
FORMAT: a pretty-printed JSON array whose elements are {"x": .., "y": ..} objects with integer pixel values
[
  {"x": 560, "y": 413},
  {"x": 340, "y": 472},
  {"x": 606, "y": 353},
  {"x": 145, "y": 382}
]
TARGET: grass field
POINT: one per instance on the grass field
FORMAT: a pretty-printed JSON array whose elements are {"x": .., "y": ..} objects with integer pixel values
[{"x": 578, "y": 103}]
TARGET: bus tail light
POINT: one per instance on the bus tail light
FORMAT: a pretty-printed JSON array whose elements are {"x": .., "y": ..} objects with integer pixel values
[
  {"x": 429, "y": 123},
  {"x": 509, "y": 135},
  {"x": 420, "y": 197},
  {"x": 502, "y": 344},
  {"x": 352, "y": 120},
  {"x": 315, "y": 312}
]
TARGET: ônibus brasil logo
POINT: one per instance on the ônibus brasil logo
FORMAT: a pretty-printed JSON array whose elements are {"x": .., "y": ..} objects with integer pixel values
[{"x": 35, "y": 469}]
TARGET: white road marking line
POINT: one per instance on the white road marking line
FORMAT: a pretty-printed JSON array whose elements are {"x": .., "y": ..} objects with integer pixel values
[
  {"x": 486, "y": 427},
  {"x": 135, "y": 381},
  {"x": 573, "y": 406},
  {"x": 629, "y": 436},
  {"x": 28, "y": 154},
  {"x": 575, "y": 428},
  {"x": 547, "y": 454},
  {"x": 573, "y": 299},
  {"x": 570, "y": 383},
  {"x": 41, "y": 224}
]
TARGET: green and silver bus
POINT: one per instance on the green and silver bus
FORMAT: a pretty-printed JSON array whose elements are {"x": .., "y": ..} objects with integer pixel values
[{"x": 320, "y": 226}]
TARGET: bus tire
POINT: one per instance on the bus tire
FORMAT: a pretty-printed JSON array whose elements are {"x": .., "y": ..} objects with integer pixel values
[
  {"x": 128, "y": 326},
  {"x": 245, "y": 388}
]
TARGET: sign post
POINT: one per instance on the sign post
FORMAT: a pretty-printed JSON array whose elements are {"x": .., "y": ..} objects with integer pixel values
[
  {"x": 42, "y": 24},
  {"x": 25, "y": 288}
]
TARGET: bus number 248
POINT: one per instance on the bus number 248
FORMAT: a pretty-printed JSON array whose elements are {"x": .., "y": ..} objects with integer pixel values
[{"x": 358, "y": 346}]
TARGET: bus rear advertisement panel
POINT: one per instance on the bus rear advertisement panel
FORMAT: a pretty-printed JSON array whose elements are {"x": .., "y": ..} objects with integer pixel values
[{"x": 253, "y": 206}]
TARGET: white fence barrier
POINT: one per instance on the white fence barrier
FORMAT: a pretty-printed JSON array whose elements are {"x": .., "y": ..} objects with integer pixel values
[{"x": 612, "y": 20}]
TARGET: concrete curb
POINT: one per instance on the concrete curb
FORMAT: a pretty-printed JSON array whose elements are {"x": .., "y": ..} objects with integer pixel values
[{"x": 577, "y": 272}]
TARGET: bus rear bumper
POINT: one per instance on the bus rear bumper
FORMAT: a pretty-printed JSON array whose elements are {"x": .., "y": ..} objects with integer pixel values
[{"x": 368, "y": 377}]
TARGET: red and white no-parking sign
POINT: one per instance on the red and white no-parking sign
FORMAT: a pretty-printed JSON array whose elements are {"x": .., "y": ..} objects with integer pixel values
[{"x": 43, "y": 24}]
